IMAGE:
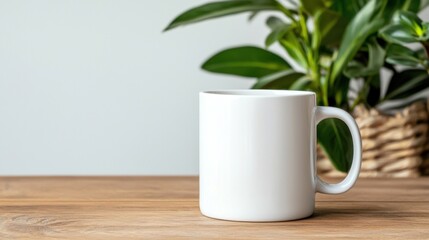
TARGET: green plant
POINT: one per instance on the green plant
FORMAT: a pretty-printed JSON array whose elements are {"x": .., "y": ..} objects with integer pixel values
[{"x": 333, "y": 43}]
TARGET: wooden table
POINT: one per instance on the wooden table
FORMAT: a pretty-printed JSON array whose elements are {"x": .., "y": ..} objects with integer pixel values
[{"x": 167, "y": 208}]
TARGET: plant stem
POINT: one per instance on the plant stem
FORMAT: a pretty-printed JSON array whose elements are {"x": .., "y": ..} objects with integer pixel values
[
  {"x": 324, "y": 89},
  {"x": 325, "y": 99},
  {"x": 303, "y": 24},
  {"x": 286, "y": 12},
  {"x": 311, "y": 54}
]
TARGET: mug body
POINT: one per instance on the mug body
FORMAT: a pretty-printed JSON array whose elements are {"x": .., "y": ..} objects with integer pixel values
[{"x": 257, "y": 154}]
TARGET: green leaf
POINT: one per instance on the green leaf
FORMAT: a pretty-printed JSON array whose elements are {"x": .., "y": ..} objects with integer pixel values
[
  {"x": 346, "y": 11},
  {"x": 279, "y": 80},
  {"x": 291, "y": 43},
  {"x": 410, "y": 20},
  {"x": 312, "y": 6},
  {"x": 393, "y": 6},
  {"x": 398, "y": 54},
  {"x": 411, "y": 5},
  {"x": 407, "y": 83},
  {"x": 334, "y": 37},
  {"x": 275, "y": 36},
  {"x": 335, "y": 139},
  {"x": 324, "y": 23},
  {"x": 376, "y": 56},
  {"x": 279, "y": 29},
  {"x": 348, "y": 8},
  {"x": 407, "y": 28},
  {"x": 341, "y": 90},
  {"x": 274, "y": 23},
  {"x": 397, "y": 33},
  {"x": 366, "y": 22},
  {"x": 247, "y": 61},
  {"x": 220, "y": 9},
  {"x": 303, "y": 83},
  {"x": 354, "y": 69}
]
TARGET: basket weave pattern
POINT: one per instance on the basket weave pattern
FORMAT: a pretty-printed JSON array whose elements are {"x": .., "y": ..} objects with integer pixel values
[{"x": 393, "y": 145}]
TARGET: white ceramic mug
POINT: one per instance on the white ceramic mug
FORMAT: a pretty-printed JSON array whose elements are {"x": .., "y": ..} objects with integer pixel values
[{"x": 258, "y": 153}]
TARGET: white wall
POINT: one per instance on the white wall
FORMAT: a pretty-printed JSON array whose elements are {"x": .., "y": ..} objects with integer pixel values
[{"x": 94, "y": 87}]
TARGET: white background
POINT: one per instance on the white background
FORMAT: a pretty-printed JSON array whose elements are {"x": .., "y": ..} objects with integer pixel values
[{"x": 95, "y": 87}]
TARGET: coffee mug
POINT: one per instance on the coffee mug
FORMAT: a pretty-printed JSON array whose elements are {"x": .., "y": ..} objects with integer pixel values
[{"x": 258, "y": 154}]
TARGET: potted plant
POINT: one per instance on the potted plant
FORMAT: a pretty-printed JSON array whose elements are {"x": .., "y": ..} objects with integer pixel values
[{"x": 339, "y": 49}]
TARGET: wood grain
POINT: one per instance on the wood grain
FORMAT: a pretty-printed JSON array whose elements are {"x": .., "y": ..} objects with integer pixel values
[{"x": 167, "y": 208}]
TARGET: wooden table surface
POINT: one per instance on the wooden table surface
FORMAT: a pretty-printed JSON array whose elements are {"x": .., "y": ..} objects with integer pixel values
[{"x": 130, "y": 208}]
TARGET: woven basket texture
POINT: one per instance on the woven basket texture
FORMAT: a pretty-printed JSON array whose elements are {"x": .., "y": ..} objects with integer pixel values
[{"x": 394, "y": 145}]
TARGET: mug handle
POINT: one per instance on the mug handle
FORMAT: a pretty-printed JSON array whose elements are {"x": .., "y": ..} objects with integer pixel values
[{"x": 348, "y": 182}]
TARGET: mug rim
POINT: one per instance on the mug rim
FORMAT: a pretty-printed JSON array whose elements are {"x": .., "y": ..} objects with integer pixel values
[{"x": 258, "y": 93}]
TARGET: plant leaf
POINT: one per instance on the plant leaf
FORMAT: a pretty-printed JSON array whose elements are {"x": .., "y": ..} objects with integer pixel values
[
  {"x": 354, "y": 69},
  {"x": 220, "y": 9},
  {"x": 411, "y": 5},
  {"x": 410, "y": 20},
  {"x": 274, "y": 23},
  {"x": 275, "y": 36},
  {"x": 393, "y": 6},
  {"x": 407, "y": 83},
  {"x": 348, "y": 8},
  {"x": 303, "y": 83},
  {"x": 366, "y": 22},
  {"x": 247, "y": 61},
  {"x": 341, "y": 90},
  {"x": 335, "y": 139},
  {"x": 279, "y": 29},
  {"x": 376, "y": 56},
  {"x": 397, "y": 33},
  {"x": 279, "y": 80},
  {"x": 293, "y": 47},
  {"x": 347, "y": 11},
  {"x": 407, "y": 28},
  {"x": 398, "y": 54},
  {"x": 312, "y": 6},
  {"x": 324, "y": 23}
]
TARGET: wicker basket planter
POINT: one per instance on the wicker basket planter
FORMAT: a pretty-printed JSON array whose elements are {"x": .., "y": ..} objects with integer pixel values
[{"x": 393, "y": 145}]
